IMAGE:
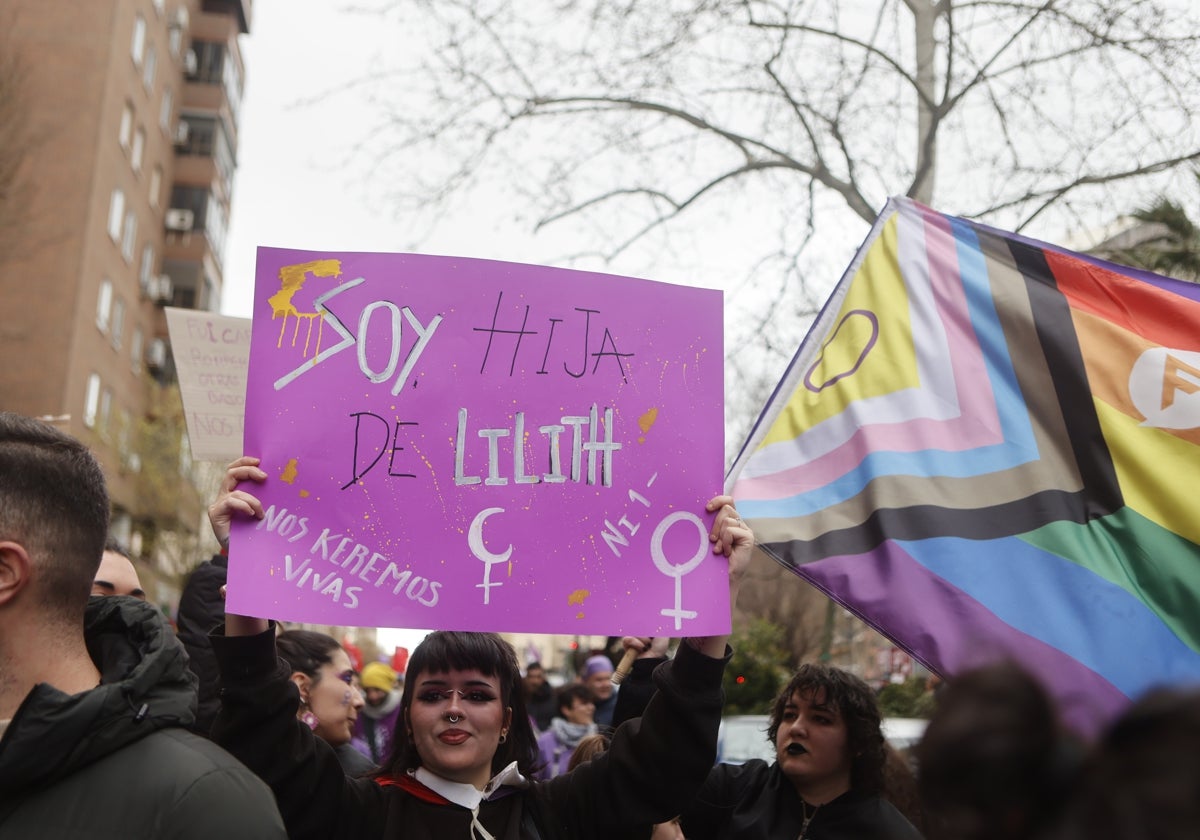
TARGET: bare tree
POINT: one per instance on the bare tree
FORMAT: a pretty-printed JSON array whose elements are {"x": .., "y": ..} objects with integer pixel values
[
  {"x": 623, "y": 116},
  {"x": 652, "y": 126}
]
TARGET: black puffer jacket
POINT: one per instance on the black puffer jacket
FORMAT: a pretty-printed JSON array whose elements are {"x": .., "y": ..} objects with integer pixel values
[{"x": 118, "y": 761}]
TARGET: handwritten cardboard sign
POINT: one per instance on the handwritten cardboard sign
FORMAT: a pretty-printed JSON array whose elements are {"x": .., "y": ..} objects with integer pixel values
[
  {"x": 478, "y": 445},
  {"x": 211, "y": 354}
]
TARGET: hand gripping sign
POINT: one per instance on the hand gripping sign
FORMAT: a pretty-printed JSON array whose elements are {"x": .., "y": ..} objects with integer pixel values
[{"x": 479, "y": 445}]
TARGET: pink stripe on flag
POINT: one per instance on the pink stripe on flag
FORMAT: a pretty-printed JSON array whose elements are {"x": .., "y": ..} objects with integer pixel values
[{"x": 978, "y": 423}]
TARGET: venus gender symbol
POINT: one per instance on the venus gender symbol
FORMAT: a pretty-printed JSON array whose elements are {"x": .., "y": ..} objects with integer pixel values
[{"x": 678, "y": 572}]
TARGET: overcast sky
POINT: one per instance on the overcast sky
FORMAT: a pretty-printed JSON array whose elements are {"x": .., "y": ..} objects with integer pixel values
[{"x": 293, "y": 188}]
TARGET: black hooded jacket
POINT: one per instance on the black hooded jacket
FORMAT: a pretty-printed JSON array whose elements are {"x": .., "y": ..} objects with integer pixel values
[{"x": 118, "y": 761}]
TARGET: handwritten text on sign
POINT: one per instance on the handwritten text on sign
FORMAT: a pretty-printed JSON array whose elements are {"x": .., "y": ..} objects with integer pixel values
[
  {"x": 211, "y": 353},
  {"x": 478, "y": 445}
]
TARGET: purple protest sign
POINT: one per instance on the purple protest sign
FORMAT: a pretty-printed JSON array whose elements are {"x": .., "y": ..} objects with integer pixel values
[{"x": 456, "y": 443}]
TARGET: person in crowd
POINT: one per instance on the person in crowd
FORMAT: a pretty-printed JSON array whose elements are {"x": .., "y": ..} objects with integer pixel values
[
  {"x": 597, "y": 676},
  {"x": 201, "y": 609},
  {"x": 1142, "y": 780},
  {"x": 378, "y": 719},
  {"x": 539, "y": 696},
  {"x": 116, "y": 575},
  {"x": 827, "y": 778},
  {"x": 994, "y": 761},
  {"x": 575, "y": 720},
  {"x": 638, "y": 687},
  {"x": 95, "y": 695},
  {"x": 329, "y": 702},
  {"x": 900, "y": 786},
  {"x": 462, "y": 765},
  {"x": 591, "y": 746}
]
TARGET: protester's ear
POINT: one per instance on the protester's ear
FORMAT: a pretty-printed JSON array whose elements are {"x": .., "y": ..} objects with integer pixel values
[
  {"x": 15, "y": 569},
  {"x": 303, "y": 682}
]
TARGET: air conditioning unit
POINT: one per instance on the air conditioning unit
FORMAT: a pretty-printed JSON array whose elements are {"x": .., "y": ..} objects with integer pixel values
[
  {"x": 179, "y": 219},
  {"x": 182, "y": 131},
  {"x": 162, "y": 290},
  {"x": 156, "y": 355},
  {"x": 190, "y": 62}
]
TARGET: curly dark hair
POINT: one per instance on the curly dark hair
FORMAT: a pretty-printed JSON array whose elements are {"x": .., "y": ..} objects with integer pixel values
[
  {"x": 856, "y": 704},
  {"x": 446, "y": 650}
]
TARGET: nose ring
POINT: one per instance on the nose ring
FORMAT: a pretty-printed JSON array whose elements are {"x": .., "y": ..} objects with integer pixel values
[{"x": 453, "y": 718}]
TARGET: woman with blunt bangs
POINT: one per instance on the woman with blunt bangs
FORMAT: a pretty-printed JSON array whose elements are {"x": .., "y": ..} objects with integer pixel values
[
  {"x": 827, "y": 779},
  {"x": 464, "y": 754},
  {"x": 443, "y": 651}
]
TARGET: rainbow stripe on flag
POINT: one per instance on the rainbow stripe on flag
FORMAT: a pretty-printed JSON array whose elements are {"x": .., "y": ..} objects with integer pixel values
[{"x": 988, "y": 446}]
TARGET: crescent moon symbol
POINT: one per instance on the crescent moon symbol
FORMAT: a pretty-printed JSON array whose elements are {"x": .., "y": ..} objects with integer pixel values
[{"x": 475, "y": 538}]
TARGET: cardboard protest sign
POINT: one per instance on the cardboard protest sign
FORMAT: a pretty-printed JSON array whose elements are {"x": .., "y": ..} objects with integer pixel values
[
  {"x": 211, "y": 354},
  {"x": 477, "y": 445}
]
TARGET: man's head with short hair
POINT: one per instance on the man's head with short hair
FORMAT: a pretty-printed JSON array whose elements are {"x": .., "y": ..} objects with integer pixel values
[
  {"x": 535, "y": 677},
  {"x": 116, "y": 575},
  {"x": 54, "y": 507}
]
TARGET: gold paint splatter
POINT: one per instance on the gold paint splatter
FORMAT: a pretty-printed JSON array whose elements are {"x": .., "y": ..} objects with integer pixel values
[
  {"x": 291, "y": 281},
  {"x": 578, "y": 597},
  {"x": 288, "y": 476},
  {"x": 510, "y": 568},
  {"x": 303, "y": 494},
  {"x": 646, "y": 423},
  {"x": 579, "y": 615}
]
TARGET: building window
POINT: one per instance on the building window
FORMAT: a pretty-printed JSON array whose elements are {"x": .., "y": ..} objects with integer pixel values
[
  {"x": 104, "y": 413},
  {"x": 135, "y": 350},
  {"x": 146, "y": 272},
  {"x": 150, "y": 68},
  {"x": 139, "y": 149},
  {"x": 176, "y": 29},
  {"x": 185, "y": 455},
  {"x": 166, "y": 110},
  {"x": 91, "y": 400},
  {"x": 116, "y": 213},
  {"x": 126, "y": 126},
  {"x": 155, "y": 186},
  {"x": 159, "y": 5},
  {"x": 232, "y": 79},
  {"x": 118, "y": 323},
  {"x": 206, "y": 137},
  {"x": 130, "y": 238},
  {"x": 104, "y": 305},
  {"x": 124, "y": 427},
  {"x": 208, "y": 214},
  {"x": 137, "y": 48},
  {"x": 210, "y": 62}
]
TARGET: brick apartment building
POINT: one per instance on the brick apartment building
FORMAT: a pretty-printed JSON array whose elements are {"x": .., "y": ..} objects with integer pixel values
[{"x": 128, "y": 117}]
